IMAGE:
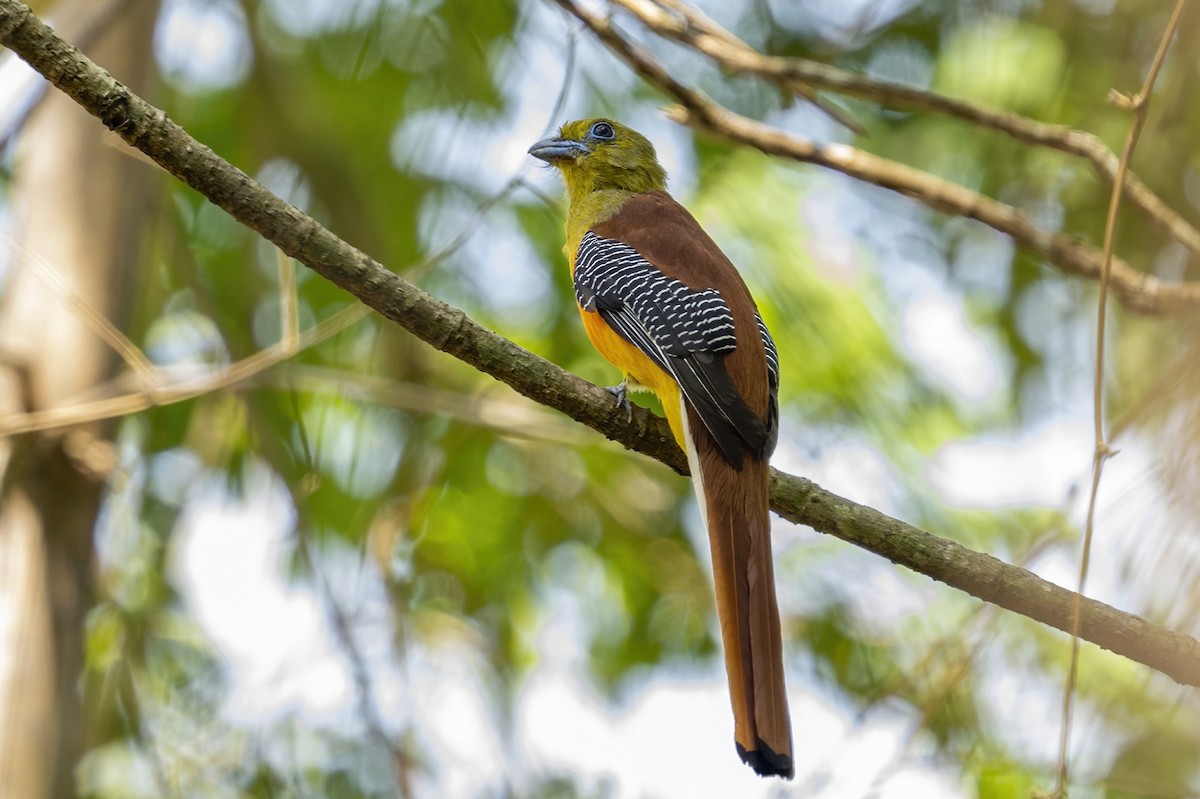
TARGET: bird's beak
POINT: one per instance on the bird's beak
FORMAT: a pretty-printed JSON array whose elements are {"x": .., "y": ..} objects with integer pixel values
[{"x": 556, "y": 148}]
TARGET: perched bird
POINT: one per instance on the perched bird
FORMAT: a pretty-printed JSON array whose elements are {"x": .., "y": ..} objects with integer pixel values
[{"x": 663, "y": 304}]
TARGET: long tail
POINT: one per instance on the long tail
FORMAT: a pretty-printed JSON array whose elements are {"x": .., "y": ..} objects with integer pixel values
[{"x": 736, "y": 511}]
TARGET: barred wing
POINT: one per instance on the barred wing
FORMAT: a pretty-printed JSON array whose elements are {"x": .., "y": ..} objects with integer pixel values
[{"x": 686, "y": 332}]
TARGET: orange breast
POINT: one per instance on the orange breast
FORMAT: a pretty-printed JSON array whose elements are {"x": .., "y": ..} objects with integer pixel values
[
  {"x": 632, "y": 362},
  {"x": 637, "y": 366}
]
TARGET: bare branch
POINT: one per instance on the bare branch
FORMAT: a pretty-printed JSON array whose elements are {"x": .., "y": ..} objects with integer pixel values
[
  {"x": 713, "y": 39},
  {"x": 450, "y": 330},
  {"x": 164, "y": 390},
  {"x": 693, "y": 28},
  {"x": 1138, "y": 291},
  {"x": 510, "y": 417}
]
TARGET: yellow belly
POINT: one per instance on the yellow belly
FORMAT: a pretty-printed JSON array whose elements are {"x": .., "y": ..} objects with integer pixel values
[{"x": 637, "y": 368}]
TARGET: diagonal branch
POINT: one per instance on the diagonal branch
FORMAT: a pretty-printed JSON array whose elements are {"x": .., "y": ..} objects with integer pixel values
[
  {"x": 1138, "y": 291},
  {"x": 450, "y": 330},
  {"x": 691, "y": 27}
]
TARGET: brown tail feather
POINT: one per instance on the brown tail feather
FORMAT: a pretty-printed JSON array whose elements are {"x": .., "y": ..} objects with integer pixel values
[{"x": 735, "y": 505}]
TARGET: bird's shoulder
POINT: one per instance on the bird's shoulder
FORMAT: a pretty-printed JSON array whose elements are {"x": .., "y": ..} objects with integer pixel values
[{"x": 668, "y": 236}]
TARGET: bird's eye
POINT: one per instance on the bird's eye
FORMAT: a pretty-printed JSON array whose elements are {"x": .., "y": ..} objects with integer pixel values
[{"x": 603, "y": 130}]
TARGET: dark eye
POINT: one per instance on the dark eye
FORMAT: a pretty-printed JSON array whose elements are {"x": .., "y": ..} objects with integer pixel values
[{"x": 603, "y": 130}]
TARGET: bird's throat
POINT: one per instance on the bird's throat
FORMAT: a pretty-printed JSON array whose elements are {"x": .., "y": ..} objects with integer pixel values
[{"x": 587, "y": 209}]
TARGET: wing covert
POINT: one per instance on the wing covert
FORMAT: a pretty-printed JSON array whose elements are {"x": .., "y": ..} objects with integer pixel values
[{"x": 686, "y": 332}]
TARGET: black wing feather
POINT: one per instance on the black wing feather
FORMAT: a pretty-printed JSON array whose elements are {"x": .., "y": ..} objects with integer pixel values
[{"x": 686, "y": 332}]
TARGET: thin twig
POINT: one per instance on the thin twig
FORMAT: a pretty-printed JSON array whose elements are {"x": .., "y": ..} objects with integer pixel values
[
  {"x": 1139, "y": 105},
  {"x": 168, "y": 390},
  {"x": 289, "y": 305},
  {"x": 506, "y": 416},
  {"x": 564, "y": 87},
  {"x": 106, "y": 330},
  {"x": 720, "y": 37},
  {"x": 1175, "y": 375}
]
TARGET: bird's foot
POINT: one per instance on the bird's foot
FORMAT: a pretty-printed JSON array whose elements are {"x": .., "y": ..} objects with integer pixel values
[{"x": 621, "y": 392}]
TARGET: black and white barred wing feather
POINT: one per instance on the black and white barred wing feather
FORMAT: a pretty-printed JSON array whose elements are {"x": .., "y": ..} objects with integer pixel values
[{"x": 686, "y": 332}]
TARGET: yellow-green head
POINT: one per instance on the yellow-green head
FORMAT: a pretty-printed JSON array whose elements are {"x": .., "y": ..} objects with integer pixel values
[
  {"x": 598, "y": 155},
  {"x": 603, "y": 164}
]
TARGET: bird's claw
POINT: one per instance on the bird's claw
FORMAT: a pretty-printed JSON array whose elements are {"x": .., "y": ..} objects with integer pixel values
[{"x": 621, "y": 392}]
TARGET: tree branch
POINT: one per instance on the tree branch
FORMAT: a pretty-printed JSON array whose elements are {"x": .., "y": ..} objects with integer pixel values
[
  {"x": 451, "y": 331},
  {"x": 1138, "y": 291},
  {"x": 694, "y": 29}
]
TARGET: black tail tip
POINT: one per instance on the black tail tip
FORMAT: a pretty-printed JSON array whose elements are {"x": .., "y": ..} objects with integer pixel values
[{"x": 766, "y": 762}]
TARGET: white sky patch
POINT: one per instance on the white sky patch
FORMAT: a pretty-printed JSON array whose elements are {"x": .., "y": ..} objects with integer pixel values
[
  {"x": 507, "y": 270},
  {"x": 909, "y": 782},
  {"x": 674, "y": 738},
  {"x": 358, "y": 446},
  {"x": 534, "y": 71},
  {"x": 229, "y": 564},
  {"x": 1026, "y": 705},
  {"x": 283, "y": 657},
  {"x": 306, "y": 17},
  {"x": 20, "y": 88},
  {"x": 1037, "y": 466},
  {"x": 807, "y": 120},
  {"x": 838, "y": 21},
  {"x": 1049, "y": 466},
  {"x": 851, "y": 469},
  {"x": 1131, "y": 515},
  {"x": 452, "y": 146},
  {"x": 936, "y": 333},
  {"x": 483, "y": 153},
  {"x": 203, "y": 45},
  {"x": 455, "y": 721}
]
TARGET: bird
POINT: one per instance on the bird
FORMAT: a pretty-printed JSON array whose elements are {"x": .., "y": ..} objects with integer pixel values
[{"x": 664, "y": 305}]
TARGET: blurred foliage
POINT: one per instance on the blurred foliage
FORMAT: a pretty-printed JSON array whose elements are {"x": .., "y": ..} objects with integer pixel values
[{"x": 393, "y": 123}]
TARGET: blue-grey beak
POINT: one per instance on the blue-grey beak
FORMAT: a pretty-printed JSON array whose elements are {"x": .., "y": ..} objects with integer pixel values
[{"x": 556, "y": 148}]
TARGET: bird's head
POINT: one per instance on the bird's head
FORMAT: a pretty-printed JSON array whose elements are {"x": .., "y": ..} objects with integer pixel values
[{"x": 599, "y": 154}]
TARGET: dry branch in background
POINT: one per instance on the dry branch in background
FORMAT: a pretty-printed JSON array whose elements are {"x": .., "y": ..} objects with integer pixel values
[
  {"x": 452, "y": 331},
  {"x": 1138, "y": 291},
  {"x": 675, "y": 20}
]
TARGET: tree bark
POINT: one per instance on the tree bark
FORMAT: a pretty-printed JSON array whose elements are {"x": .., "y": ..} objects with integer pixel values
[{"x": 77, "y": 201}]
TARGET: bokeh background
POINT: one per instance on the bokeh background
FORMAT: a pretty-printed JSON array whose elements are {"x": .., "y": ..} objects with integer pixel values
[{"x": 369, "y": 571}]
